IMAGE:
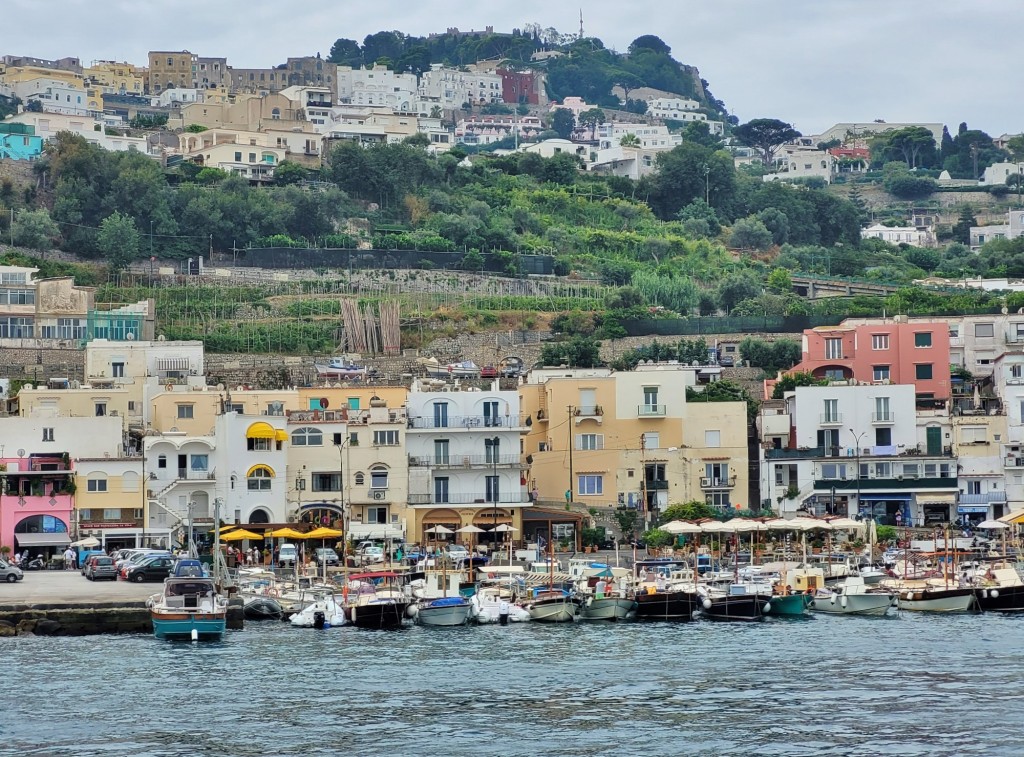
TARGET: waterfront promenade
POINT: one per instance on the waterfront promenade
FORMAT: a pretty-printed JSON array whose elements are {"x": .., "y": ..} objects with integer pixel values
[{"x": 69, "y": 587}]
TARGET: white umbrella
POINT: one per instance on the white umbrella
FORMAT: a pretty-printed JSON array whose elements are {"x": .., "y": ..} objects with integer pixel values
[
  {"x": 809, "y": 524},
  {"x": 470, "y": 530},
  {"x": 716, "y": 527},
  {"x": 743, "y": 525},
  {"x": 991, "y": 525},
  {"x": 439, "y": 530},
  {"x": 848, "y": 524},
  {"x": 505, "y": 528},
  {"x": 682, "y": 527},
  {"x": 779, "y": 524},
  {"x": 89, "y": 542}
]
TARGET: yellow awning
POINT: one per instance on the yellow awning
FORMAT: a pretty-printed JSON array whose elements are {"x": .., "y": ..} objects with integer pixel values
[
  {"x": 1015, "y": 518},
  {"x": 261, "y": 430},
  {"x": 281, "y": 436},
  {"x": 324, "y": 533},
  {"x": 259, "y": 466}
]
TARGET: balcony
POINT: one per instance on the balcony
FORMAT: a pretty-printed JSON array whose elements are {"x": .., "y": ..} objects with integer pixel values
[
  {"x": 464, "y": 461},
  {"x": 794, "y": 453},
  {"x": 869, "y": 484},
  {"x": 655, "y": 485},
  {"x": 651, "y": 411},
  {"x": 459, "y": 498},
  {"x": 716, "y": 482},
  {"x": 883, "y": 419},
  {"x": 1013, "y": 462},
  {"x": 832, "y": 419},
  {"x": 588, "y": 411},
  {"x": 455, "y": 422}
]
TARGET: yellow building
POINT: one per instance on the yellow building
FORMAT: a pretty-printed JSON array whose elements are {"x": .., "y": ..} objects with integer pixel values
[
  {"x": 116, "y": 78},
  {"x": 62, "y": 398},
  {"x": 12, "y": 75},
  {"x": 604, "y": 439},
  {"x": 172, "y": 69},
  {"x": 110, "y": 503},
  {"x": 192, "y": 410}
]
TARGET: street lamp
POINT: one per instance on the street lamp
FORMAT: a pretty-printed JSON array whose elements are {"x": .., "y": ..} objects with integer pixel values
[
  {"x": 856, "y": 451},
  {"x": 495, "y": 441},
  {"x": 341, "y": 489}
]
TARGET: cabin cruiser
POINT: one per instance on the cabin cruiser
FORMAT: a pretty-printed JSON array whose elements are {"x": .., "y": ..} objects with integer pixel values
[
  {"x": 340, "y": 368},
  {"x": 188, "y": 608},
  {"x": 323, "y": 612},
  {"x": 461, "y": 369},
  {"x": 851, "y": 597},
  {"x": 374, "y": 600}
]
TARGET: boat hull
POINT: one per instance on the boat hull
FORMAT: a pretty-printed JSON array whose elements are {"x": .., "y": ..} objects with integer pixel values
[
  {"x": 262, "y": 608},
  {"x": 1001, "y": 598},
  {"x": 739, "y": 608},
  {"x": 853, "y": 604},
  {"x": 608, "y": 608},
  {"x": 667, "y": 605},
  {"x": 554, "y": 610},
  {"x": 444, "y": 615},
  {"x": 937, "y": 600},
  {"x": 377, "y": 614},
  {"x": 179, "y": 625},
  {"x": 788, "y": 606}
]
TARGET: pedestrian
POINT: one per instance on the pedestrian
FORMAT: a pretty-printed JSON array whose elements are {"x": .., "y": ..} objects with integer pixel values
[{"x": 599, "y": 588}]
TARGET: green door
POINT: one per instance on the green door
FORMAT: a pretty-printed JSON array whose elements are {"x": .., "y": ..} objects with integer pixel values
[{"x": 934, "y": 438}]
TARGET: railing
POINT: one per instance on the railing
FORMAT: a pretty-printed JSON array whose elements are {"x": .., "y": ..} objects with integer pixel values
[
  {"x": 463, "y": 461},
  {"x": 886, "y": 417},
  {"x": 1014, "y": 462},
  {"x": 792, "y": 453},
  {"x": 651, "y": 411},
  {"x": 588, "y": 411},
  {"x": 655, "y": 485},
  {"x": 831, "y": 419},
  {"x": 468, "y": 499},
  {"x": 890, "y": 482},
  {"x": 467, "y": 421},
  {"x": 717, "y": 482}
]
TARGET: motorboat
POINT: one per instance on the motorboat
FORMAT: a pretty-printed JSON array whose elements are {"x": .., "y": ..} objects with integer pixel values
[
  {"x": 850, "y": 598},
  {"x": 608, "y": 607},
  {"x": 323, "y": 612},
  {"x": 188, "y": 608},
  {"x": 374, "y": 600},
  {"x": 735, "y": 604},
  {"x": 341, "y": 368},
  {"x": 551, "y": 605},
  {"x": 674, "y": 602},
  {"x": 932, "y": 595},
  {"x": 489, "y": 600},
  {"x": 788, "y": 605},
  {"x": 461, "y": 369},
  {"x": 445, "y": 611},
  {"x": 602, "y": 599},
  {"x": 1000, "y": 589},
  {"x": 262, "y": 608}
]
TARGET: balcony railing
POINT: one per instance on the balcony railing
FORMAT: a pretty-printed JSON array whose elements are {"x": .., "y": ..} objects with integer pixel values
[
  {"x": 832, "y": 419},
  {"x": 851, "y": 484},
  {"x": 588, "y": 411},
  {"x": 717, "y": 482},
  {"x": 458, "y": 498},
  {"x": 1014, "y": 462},
  {"x": 793, "y": 453},
  {"x": 651, "y": 411},
  {"x": 467, "y": 421},
  {"x": 883, "y": 418},
  {"x": 463, "y": 461},
  {"x": 655, "y": 485}
]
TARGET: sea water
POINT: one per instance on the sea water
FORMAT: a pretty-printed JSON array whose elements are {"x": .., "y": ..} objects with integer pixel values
[{"x": 901, "y": 685}]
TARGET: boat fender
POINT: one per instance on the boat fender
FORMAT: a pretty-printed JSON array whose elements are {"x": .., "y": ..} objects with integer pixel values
[
  {"x": 767, "y": 607},
  {"x": 843, "y": 601},
  {"x": 707, "y": 604},
  {"x": 273, "y": 593},
  {"x": 412, "y": 611},
  {"x": 909, "y": 595},
  {"x": 832, "y": 600},
  {"x": 994, "y": 593},
  {"x": 984, "y": 593}
]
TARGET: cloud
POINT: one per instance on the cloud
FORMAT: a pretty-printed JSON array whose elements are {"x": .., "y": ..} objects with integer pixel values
[{"x": 810, "y": 62}]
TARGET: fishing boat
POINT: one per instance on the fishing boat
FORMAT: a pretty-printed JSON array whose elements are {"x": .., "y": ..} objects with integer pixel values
[
  {"x": 340, "y": 368},
  {"x": 602, "y": 599},
  {"x": 376, "y": 601},
  {"x": 931, "y": 596},
  {"x": 674, "y": 602},
  {"x": 188, "y": 608},
  {"x": 850, "y": 598},
  {"x": 1000, "y": 589},
  {"x": 445, "y": 611},
  {"x": 322, "y": 613},
  {"x": 461, "y": 369},
  {"x": 550, "y": 605},
  {"x": 736, "y": 604},
  {"x": 788, "y": 605}
]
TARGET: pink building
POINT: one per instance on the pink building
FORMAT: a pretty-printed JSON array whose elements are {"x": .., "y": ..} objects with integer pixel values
[
  {"x": 889, "y": 353},
  {"x": 36, "y": 503}
]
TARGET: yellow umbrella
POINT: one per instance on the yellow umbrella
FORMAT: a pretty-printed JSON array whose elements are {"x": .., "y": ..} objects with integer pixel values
[
  {"x": 288, "y": 533},
  {"x": 239, "y": 535},
  {"x": 324, "y": 533}
]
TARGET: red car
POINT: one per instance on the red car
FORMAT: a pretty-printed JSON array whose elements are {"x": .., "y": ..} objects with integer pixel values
[{"x": 488, "y": 371}]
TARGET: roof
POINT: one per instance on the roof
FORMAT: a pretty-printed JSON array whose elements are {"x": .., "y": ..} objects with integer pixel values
[{"x": 534, "y": 513}]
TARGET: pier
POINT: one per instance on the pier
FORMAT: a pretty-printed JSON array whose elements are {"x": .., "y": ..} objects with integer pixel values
[{"x": 65, "y": 603}]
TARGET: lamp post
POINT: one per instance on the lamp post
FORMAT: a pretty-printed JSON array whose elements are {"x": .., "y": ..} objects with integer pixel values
[
  {"x": 856, "y": 451},
  {"x": 495, "y": 441},
  {"x": 341, "y": 490}
]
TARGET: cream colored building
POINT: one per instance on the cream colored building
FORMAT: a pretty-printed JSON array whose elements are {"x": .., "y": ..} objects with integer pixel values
[
  {"x": 172, "y": 69},
  {"x": 604, "y": 439},
  {"x": 254, "y": 155},
  {"x": 61, "y": 398},
  {"x": 110, "y": 503},
  {"x": 116, "y": 78}
]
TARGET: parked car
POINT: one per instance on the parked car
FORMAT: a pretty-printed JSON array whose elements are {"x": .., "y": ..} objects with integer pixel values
[
  {"x": 10, "y": 573},
  {"x": 137, "y": 558},
  {"x": 727, "y": 361},
  {"x": 369, "y": 555},
  {"x": 84, "y": 568},
  {"x": 99, "y": 567},
  {"x": 457, "y": 553},
  {"x": 87, "y": 554},
  {"x": 134, "y": 555},
  {"x": 326, "y": 555},
  {"x": 155, "y": 568},
  {"x": 288, "y": 554},
  {"x": 488, "y": 371}
]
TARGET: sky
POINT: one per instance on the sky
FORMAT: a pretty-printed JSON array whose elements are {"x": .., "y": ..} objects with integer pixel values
[{"x": 812, "y": 63}]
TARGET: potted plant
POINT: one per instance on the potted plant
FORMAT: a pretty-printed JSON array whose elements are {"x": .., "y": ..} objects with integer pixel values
[{"x": 4, "y": 551}]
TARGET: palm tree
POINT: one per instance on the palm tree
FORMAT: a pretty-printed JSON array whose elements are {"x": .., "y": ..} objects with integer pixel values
[{"x": 630, "y": 140}]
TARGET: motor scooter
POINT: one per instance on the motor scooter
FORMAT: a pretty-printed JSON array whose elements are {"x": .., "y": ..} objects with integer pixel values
[{"x": 36, "y": 563}]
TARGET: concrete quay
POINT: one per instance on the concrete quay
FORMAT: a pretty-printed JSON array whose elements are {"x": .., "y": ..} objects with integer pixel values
[{"x": 65, "y": 603}]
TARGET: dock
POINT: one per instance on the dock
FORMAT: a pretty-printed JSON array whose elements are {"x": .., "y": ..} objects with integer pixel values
[{"x": 65, "y": 603}]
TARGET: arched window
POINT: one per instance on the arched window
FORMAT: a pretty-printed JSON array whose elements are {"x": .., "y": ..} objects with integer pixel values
[
  {"x": 378, "y": 477},
  {"x": 360, "y": 478},
  {"x": 258, "y": 478},
  {"x": 275, "y": 114},
  {"x": 308, "y": 437}
]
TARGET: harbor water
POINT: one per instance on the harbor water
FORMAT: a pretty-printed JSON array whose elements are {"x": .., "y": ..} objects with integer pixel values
[{"x": 900, "y": 685}]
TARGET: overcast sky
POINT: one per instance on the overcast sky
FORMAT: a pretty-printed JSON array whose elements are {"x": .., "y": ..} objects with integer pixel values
[{"x": 810, "y": 62}]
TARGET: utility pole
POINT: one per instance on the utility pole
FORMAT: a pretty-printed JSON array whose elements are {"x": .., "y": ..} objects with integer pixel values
[
  {"x": 568, "y": 492},
  {"x": 643, "y": 481},
  {"x": 856, "y": 450}
]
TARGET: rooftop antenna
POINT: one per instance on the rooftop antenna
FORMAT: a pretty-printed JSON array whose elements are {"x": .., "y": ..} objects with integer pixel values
[{"x": 581, "y": 23}]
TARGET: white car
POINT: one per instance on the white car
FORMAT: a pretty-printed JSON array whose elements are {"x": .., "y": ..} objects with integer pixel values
[
  {"x": 10, "y": 573},
  {"x": 371, "y": 554},
  {"x": 457, "y": 553},
  {"x": 288, "y": 554}
]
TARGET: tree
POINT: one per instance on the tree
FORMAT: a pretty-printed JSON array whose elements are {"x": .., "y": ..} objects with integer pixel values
[
  {"x": 685, "y": 173},
  {"x": 899, "y": 182},
  {"x": 578, "y": 352},
  {"x": 736, "y": 288},
  {"x": 700, "y": 210},
  {"x": 118, "y": 240},
  {"x": 629, "y": 140},
  {"x": 771, "y": 357},
  {"x": 777, "y": 223},
  {"x": 699, "y": 133},
  {"x": 592, "y": 118},
  {"x": 35, "y": 230},
  {"x": 791, "y": 381},
  {"x": 627, "y": 520},
  {"x": 563, "y": 121},
  {"x": 1015, "y": 146},
  {"x": 289, "y": 172},
  {"x": 690, "y": 511},
  {"x": 766, "y": 135},
  {"x": 649, "y": 42},
  {"x": 962, "y": 227},
  {"x": 750, "y": 234},
  {"x": 346, "y": 52},
  {"x": 914, "y": 145},
  {"x": 780, "y": 281}
]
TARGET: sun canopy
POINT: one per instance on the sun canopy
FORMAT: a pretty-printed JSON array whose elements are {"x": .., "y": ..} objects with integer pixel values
[
  {"x": 439, "y": 530},
  {"x": 991, "y": 525},
  {"x": 239, "y": 535},
  {"x": 88, "y": 543},
  {"x": 1013, "y": 518},
  {"x": 745, "y": 525},
  {"x": 505, "y": 527},
  {"x": 716, "y": 527},
  {"x": 470, "y": 530},
  {"x": 682, "y": 527},
  {"x": 848, "y": 524},
  {"x": 58, "y": 539},
  {"x": 324, "y": 533},
  {"x": 287, "y": 533},
  {"x": 261, "y": 430}
]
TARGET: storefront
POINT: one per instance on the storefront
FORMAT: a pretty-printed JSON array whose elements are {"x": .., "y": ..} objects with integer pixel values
[{"x": 936, "y": 509}]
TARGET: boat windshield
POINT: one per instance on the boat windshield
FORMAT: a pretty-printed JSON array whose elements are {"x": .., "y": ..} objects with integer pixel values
[{"x": 182, "y": 588}]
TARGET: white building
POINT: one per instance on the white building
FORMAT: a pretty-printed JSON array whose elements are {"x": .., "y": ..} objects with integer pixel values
[
  {"x": 484, "y": 130},
  {"x": 48, "y": 125},
  {"x": 1013, "y": 228},
  {"x": 377, "y": 86},
  {"x": 58, "y": 95},
  {"x": 676, "y": 108},
  {"x": 451, "y": 88},
  {"x": 998, "y": 173},
  {"x": 858, "y": 133},
  {"x": 651, "y": 137},
  {"x": 797, "y": 161},
  {"x": 911, "y": 235}
]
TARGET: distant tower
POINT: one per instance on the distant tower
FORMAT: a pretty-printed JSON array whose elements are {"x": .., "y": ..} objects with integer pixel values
[{"x": 581, "y": 23}]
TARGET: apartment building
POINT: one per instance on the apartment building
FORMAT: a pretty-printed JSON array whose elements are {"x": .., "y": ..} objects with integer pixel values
[
  {"x": 171, "y": 69},
  {"x": 377, "y": 86}
]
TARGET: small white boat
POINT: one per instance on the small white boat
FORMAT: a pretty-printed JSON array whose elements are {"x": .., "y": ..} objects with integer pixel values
[
  {"x": 446, "y": 611},
  {"x": 323, "y": 612},
  {"x": 554, "y": 606},
  {"x": 341, "y": 368},
  {"x": 461, "y": 369},
  {"x": 926, "y": 596},
  {"x": 486, "y": 605},
  {"x": 608, "y": 608},
  {"x": 850, "y": 598}
]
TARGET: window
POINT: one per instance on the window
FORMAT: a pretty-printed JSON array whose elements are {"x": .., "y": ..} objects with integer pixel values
[
  {"x": 651, "y": 440},
  {"x": 880, "y": 373},
  {"x": 47, "y": 434},
  {"x": 922, "y": 339},
  {"x": 326, "y": 482},
  {"x": 113, "y": 513},
  {"x": 1016, "y": 371},
  {"x": 441, "y": 489},
  {"x": 440, "y": 415},
  {"x": 882, "y": 411},
  {"x": 84, "y": 515},
  {"x": 238, "y": 157},
  {"x": 712, "y": 438},
  {"x": 275, "y": 408},
  {"x": 385, "y": 438},
  {"x": 650, "y": 397},
  {"x": 259, "y": 445},
  {"x": 911, "y": 470},
  {"x": 923, "y": 371},
  {"x": 831, "y": 414},
  {"x": 834, "y": 348},
  {"x": 186, "y": 411},
  {"x": 832, "y": 471},
  {"x": 259, "y": 479},
  {"x": 984, "y": 330},
  {"x": 161, "y": 462},
  {"x": 492, "y": 450},
  {"x": 974, "y": 434},
  {"x": 883, "y": 437},
  {"x": 200, "y": 463},
  {"x": 376, "y": 515},
  {"x": 492, "y": 487},
  {"x": 117, "y": 370},
  {"x": 308, "y": 437},
  {"x": 101, "y": 409},
  {"x": 353, "y": 439},
  {"x": 717, "y": 473},
  {"x": 378, "y": 478},
  {"x": 96, "y": 485},
  {"x": 589, "y": 442},
  {"x": 16, "y": 328},
  {"x": 879, "y": 341},
  {"x": 718, "y": 499},
  {"x": 590, "y": 485},
  {"x": 360, "y": 478},
  {"x": 974, "y": 487}
]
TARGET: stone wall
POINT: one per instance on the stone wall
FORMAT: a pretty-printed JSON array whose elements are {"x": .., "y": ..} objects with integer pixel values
[{"x": 39, "y": 364}]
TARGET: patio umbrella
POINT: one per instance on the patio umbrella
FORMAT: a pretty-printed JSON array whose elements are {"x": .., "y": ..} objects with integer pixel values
[
  {"x": 439, "y": 530},
  {"x": 505, "y": 528},
  {"x": 240, "y": 535},
  {"x": 324, "y": 533},
  {"x": 287, "y": 533},
  {"x": 992, "y": 525},
  {"x": 471, "y": 530},
  {"x": 682, "y": 527},
  {"x": 88, "y": 542}
]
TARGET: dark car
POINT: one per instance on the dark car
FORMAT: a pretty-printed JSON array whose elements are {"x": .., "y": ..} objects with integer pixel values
[
  {"x": 97, "y": 568},
  {"x": 151, "y": 569},
  {"x": 727, "y": 361}
]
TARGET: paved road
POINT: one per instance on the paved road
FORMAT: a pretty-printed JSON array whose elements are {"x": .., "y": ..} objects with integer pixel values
[{"x": 66, "y": 586}]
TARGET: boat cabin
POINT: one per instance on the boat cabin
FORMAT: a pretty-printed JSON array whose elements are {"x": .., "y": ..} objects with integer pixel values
[
  {"x": 804, "y": 579},
  {"x": 187, "y": 592}
]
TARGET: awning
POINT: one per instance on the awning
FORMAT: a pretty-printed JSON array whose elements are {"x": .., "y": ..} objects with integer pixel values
[
  {"x": 1013, "y": 518},
  {"x": 59, "y": 539},
  {"x": 172, "y": 364},
  {"x": 936, "y": 499},
  {"x": 281, "y": 436},
  {"x": 866, "y": 497},
  {"x": 972, "y": 509},
  {"x": 259, "y": 466},
  {"x": 261, "y": 430}
]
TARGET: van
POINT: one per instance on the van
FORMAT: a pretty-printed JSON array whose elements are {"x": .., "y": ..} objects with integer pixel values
[{"x": 287, "y": 555}]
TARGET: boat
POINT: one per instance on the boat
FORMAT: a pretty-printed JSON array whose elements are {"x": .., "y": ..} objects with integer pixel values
[
  {"x": 927, "y": 596},
  {"x": 611, "y": 602},
  {"x": 461, "y": 369},
  {"x": 736, "y": 604},
  {"x": 550, "y": 605},
  {"x": 674, "y": 602},
  {"x": 445, "y": 611},
  {"x": 262, "y": 608},
  {"x": 374, "y": 600},
  {"x": 850, "y": 598},
  {"x": 788, "y": 605},
  {"x": 488, "y": 601},
  {"x": 1000, "y": 590},
  {"x": 323, "y": 612},
  {"x": 341, "y": 368},
  {"x": 188, "y": 608}
]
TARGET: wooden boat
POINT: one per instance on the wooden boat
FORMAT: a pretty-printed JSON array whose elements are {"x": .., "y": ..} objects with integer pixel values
[
  {"x": 788, "y": 605},
  {"x": 850, "y": 598},
  {"x": 554, "y": 606},
  {"x": 672, "y": 603},
  {"x": 375, "y": 601},
  {"x": 461, "y": 369},
  {"x": 612, "y": 603},
  {"x": 924, "y": 596},
  {"x": 188, "y": 608},
  {"x": 445, "y": 611},
  {"x": 1001, "y": 590},
  {"x": 734, "y": 605}
]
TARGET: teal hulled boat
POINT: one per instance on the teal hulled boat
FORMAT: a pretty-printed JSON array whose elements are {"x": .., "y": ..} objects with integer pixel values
[
  {"x": 188, "y": 608},
  {"x": 789, "y": 605}
]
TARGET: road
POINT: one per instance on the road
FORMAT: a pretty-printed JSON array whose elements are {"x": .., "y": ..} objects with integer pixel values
[{"x": 71, "y": 587}]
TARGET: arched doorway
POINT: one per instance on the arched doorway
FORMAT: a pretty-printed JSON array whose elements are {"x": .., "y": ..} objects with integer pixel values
[
  {"x": 438, "y": 517},
  {"x": 41, "y": 535},
  {"x": 322, "y": 514},
  {"x": 259, "y": 515}
]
